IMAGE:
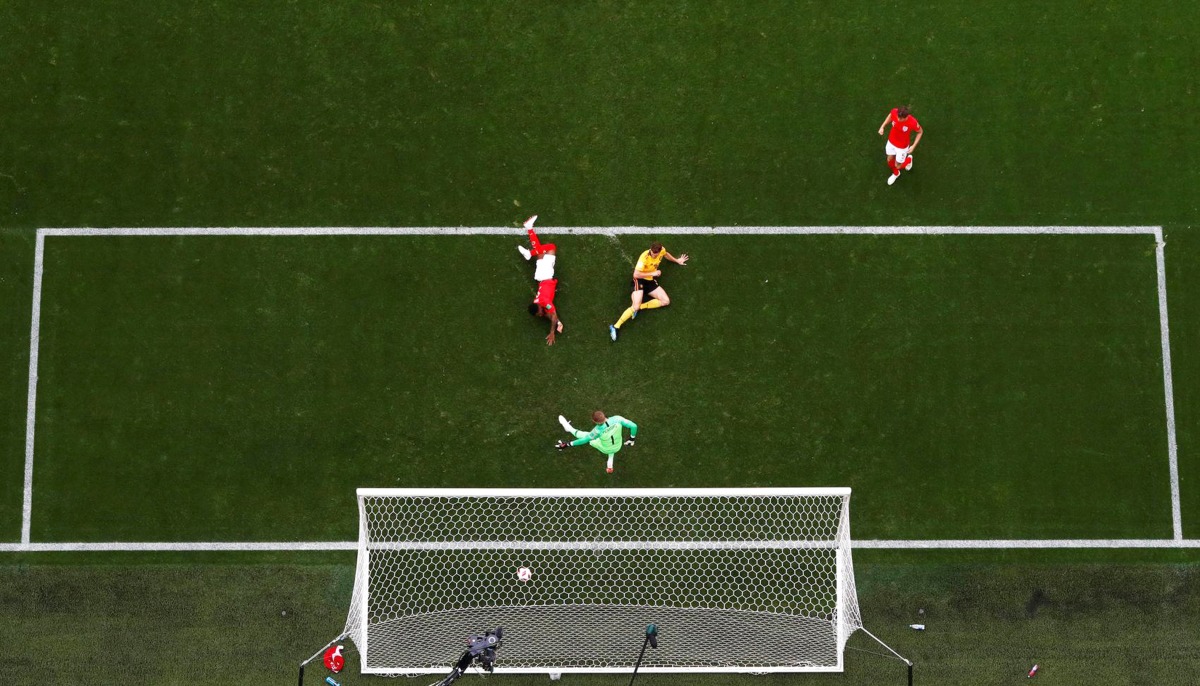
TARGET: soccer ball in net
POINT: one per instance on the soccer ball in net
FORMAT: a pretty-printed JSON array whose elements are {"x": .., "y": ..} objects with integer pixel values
[{"x": 524, "y": 574}]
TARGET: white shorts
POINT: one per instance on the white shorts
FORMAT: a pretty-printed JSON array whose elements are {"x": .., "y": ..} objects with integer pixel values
[
  {"x": 545, "y": 268},
  {"x": 901, "y": 154}
]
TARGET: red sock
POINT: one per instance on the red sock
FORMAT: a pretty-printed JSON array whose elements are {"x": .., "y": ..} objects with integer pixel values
[
  {"x": 892, "y": 166},
  {"x": 536, "y": 245}
]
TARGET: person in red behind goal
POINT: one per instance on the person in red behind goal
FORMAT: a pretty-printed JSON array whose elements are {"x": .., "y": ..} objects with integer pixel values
[
  {"x": 899, "y": 151},
  {"x": 334, "y": 661}
]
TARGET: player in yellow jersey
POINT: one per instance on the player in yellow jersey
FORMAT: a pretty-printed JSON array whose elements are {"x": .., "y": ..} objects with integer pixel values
[{"x": 645, "y": 282}]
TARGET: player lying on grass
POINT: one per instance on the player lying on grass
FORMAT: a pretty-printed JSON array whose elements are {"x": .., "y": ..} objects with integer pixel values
[
  {"x": 606, "y": 436},
  {"x": 543, "y": 274},
  {"x": 645, "y": 281},
  {"x": 898, "y": 150}
]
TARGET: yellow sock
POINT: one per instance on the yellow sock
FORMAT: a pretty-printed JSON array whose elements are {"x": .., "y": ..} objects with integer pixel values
[
  {"x": 624, "y": 317},
  {"x": 651, "y": 305}
]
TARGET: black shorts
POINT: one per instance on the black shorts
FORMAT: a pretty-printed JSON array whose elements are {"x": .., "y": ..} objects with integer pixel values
[{"x": 646, "y": 285}]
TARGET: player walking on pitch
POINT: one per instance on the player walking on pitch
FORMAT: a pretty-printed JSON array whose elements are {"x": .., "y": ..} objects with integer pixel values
[
  {"x": 645, "y": 281},
  {"x": 899, "y": 151},
  {"x": 543, "y": 302},
  {"x": 606, "y": 436}
]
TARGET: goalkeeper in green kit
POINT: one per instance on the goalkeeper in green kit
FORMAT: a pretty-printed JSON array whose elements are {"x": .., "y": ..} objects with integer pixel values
[{"x": 607, "y": 436}]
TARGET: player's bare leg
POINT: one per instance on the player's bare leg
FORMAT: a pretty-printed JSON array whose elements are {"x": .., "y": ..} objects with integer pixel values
[
  {"x": 636, "y": 299},
  {"x": 659, "y": 299}
]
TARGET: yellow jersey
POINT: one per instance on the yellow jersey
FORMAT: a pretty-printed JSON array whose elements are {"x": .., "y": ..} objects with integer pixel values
[{"x": 646, "y": 263}]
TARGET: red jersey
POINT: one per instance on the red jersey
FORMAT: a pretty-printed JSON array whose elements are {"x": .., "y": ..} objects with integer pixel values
[
  {"x": 901, "y": 129},
  {"x": 545, "y": 294}
]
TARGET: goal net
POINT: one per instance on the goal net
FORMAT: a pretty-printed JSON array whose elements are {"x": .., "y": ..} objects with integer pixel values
[{"x": 737, "y": 580}]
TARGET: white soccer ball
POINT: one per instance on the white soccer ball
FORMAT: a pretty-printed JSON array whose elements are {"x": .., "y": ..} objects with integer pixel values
[{"x": 524, "y": 574}]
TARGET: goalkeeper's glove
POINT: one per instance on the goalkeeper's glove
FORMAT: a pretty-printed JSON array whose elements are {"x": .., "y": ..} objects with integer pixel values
[
  {"x": 562, "y": 445},
  {"x": 630, "y": 442}
]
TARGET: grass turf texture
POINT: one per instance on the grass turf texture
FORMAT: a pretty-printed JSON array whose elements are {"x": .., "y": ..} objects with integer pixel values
[
  {"x": 943, "y": 378},
  {"x": 600, "y": 114},
  {"x": 652, "y": 113},
  {"x": 16, "y": 279},
  {"x": 986, "y": 623}
]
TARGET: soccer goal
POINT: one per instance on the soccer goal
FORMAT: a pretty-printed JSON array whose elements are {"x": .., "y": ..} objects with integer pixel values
[{"x": 736, "y": 580}]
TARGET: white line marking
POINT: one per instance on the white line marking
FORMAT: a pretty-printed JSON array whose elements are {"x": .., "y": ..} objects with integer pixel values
[
  {"x": 607, "y": 230},
  {"x": 1040, "y": 543},
  {"x": 1168, "y": 384},
  {"x": 1176, "y": 542},
  {"x": 298, "y": 546},
  {"x": 190, "y": 546},
  {"x": 35, "y": 319},
  {"x": 602, "y": 545}
]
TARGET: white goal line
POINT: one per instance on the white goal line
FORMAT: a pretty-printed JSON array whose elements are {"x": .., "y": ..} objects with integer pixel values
[{"x": 334, "y": 546}]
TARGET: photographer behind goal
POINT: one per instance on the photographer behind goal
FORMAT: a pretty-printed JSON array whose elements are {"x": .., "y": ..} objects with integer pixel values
[{"x": 481, "y": 648}]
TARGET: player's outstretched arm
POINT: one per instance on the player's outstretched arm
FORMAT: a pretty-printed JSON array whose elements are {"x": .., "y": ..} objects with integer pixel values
[
  {"x": 681, "y": 260},
  {"x": 886, "y": 119},
  {"x": 633, "y": 428},
  {"x": 556, "y": 326}
]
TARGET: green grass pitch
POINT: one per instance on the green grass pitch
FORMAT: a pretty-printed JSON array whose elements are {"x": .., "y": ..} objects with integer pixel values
[
  {"x": 239, "y": 388},
  {"x": 183, "y": 375}
]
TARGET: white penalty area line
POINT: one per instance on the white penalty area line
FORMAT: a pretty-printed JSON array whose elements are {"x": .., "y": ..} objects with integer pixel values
[
  {"x": 607, "y": 230},
  {"x": 180, "y": 547},
  {"x": 39, "y": 265},
  {"x": 31, "y": 398},
  {"x": 1037, "y": 543},
  {"x": 1164, "y": 330},
  {"x": 335, "y": 546}
]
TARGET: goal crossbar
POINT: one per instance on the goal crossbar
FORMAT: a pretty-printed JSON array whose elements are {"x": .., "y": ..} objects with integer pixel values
[{"x": 598, "y": 492}]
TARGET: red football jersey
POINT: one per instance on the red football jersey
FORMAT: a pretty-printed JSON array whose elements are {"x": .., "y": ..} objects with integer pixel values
[
  {"x": 545, "y": 294},
  {"x": 902, "y": 129}
]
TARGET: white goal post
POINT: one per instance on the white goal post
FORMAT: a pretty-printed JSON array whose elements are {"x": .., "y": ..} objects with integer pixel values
[{"x": 736, "y": 579}]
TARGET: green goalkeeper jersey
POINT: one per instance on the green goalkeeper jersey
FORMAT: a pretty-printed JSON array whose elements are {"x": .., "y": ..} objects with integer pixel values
[{"x": 607, "y": 437}]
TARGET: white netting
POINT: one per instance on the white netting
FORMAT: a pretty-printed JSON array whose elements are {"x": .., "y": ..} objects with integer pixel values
[{"x": 748, "y": 579}]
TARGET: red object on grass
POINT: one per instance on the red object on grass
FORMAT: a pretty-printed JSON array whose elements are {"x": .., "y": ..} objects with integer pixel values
[{"x": 333, "y": 659}]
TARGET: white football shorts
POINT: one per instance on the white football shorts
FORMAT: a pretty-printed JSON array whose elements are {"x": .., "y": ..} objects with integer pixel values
[
  {"x": 545, "y": 268},
  {"x": 900, "y": 153}
]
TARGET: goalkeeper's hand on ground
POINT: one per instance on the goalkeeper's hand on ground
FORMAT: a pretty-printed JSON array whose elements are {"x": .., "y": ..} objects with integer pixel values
[
  {"x": 562, "y": 445},
  {"x": 630, "y": 442}
]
